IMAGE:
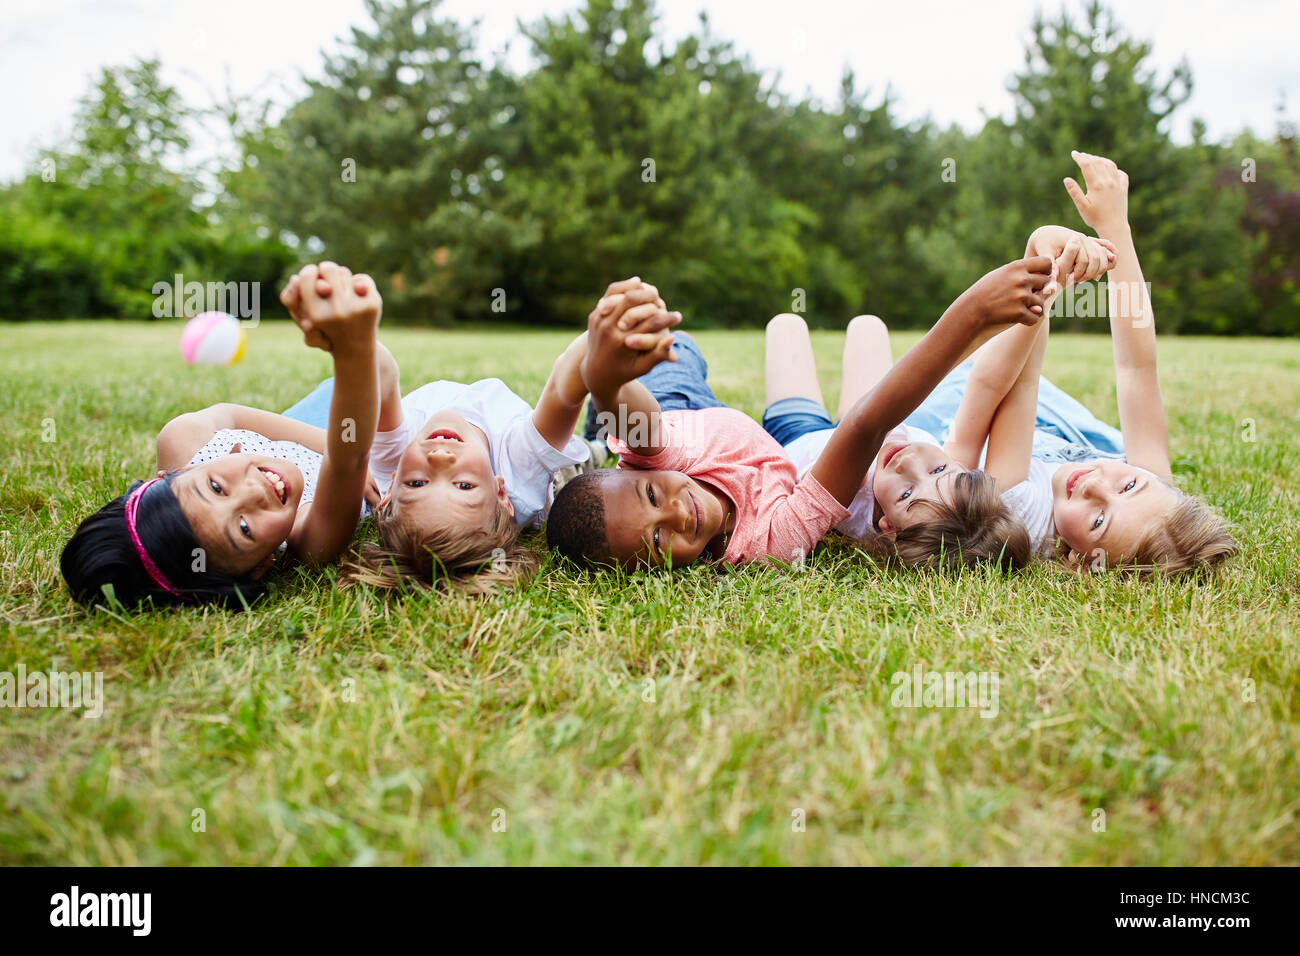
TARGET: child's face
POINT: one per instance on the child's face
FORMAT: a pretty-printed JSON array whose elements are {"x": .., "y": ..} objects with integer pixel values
[
  {"x": 659, "y": 518},
  {"x": 1107, "y": 505},
  {"x": 241, "y": 507},
  {"x": 446, "y": 476},
  {"x": 908, "y": 472}
]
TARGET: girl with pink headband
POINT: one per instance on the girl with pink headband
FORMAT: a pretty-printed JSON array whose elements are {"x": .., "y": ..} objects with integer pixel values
[{"x": 238, "y": 486}]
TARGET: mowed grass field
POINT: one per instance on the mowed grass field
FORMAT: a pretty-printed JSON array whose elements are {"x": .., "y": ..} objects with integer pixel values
[{"x": 699, "y": 717}]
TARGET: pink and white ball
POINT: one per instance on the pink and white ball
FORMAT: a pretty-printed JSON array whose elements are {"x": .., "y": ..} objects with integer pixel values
[{"x": 213, "y": 338}]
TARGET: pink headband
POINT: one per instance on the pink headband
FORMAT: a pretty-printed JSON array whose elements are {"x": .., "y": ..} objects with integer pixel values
[{"x": 133, "y": 505}]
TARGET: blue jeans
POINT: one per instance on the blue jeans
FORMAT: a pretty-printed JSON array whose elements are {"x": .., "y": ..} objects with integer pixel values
[
  {"x": 675, "y": 385},
  {"x": 789, "y": 418},
  {"x": 1063, "y": 431},
  {"x": 314, "y": 408}
]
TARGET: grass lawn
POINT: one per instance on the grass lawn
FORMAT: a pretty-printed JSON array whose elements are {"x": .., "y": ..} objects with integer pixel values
[{"x": 696, "y": 717}]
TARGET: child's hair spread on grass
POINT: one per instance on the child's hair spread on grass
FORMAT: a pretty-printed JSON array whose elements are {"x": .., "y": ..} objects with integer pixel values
[
  {"x": 973, "y": 527},
  {"x": 1191, "y": 537},
  {"x": 471, "y": 560},
  {"x": 103, "y": 552},
  {"x": 575, "y": 526}
]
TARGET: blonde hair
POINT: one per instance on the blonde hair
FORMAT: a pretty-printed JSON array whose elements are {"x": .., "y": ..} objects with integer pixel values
[
  {"x": 975, "y": 528},
  {"x": 470, "y": 560},
  {"x": 1191, "y": 537}
]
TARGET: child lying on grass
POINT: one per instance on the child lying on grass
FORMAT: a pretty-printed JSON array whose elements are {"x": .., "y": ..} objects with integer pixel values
[
  {"x": 922, "y": 503},
  {"x": 1060, "y": 471},
  {"x": 1112, "y": 503},
  {"x": 708, "y": 482},
  {"x": 463, "y": 468},
  {"x": 237, "y": 486}
]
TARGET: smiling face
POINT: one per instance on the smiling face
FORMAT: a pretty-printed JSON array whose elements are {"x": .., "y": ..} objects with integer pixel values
[
  {"x": 660, "y": 518},
  {"x": 241, "y": 507},
  {"x": 906, "y": 473},
  {"x": 1109, "y": 506},
  {"x": 446, "y": 476}
]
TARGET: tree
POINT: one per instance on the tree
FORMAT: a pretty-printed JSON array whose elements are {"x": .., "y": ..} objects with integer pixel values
[
  {"x": 1267, "y": 174},
  {"x": 632, "y": 160},
  {"x": 104, "y": 217},
  {"x": 1085, "y": 85},
  {"x": 388, "y": 161}
]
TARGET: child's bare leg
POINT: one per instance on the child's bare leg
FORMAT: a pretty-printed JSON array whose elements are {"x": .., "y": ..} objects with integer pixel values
[
  {"x": 867, "y": 359},
  {"x": 790, "y": 367}
]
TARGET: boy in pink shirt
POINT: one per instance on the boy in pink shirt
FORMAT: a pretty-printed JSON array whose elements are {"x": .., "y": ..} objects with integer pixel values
[
  {"x": 704, "y": 481},
  {"x": 712, "y": 460}
]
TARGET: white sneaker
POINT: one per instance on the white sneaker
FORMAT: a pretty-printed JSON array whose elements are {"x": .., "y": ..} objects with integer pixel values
[{"x": 597, "y": 454}]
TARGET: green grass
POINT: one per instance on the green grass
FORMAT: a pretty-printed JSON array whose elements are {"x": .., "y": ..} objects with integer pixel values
[{"x": 771, "y": 687}]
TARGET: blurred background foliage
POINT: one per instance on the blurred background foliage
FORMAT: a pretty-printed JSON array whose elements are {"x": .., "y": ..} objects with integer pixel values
[{"x": 453, "y": 180}]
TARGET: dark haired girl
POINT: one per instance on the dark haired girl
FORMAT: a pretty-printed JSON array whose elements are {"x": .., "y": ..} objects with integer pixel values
[{"x": 237, "y": 486}]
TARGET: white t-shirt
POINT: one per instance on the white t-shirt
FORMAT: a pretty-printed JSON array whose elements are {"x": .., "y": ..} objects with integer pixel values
[
  {"x": 1031, "y": 502},
  {"x": 518, "y": 452},
  {"x": 806, "y": 449}
]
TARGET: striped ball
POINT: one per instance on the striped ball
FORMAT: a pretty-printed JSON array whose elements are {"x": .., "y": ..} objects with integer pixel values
[{"x": 213, "y": 338}]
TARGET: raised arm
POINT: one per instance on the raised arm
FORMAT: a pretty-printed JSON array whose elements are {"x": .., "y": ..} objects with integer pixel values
[
  {"x": 1132, "y": 325},
  {"x": 390, "y": 389},
  {"x": 1011, "y": 433},
  {"x": 560, "y": 405},
  {"x": 348, "y": 320},
  {"x": 641, "y": 324},
  {"x": 390, "y": 381},
  {"x": 1000, "y": 363},
  {"x": 612, "y": 365},
  {"x": 1008, "y": 295},
  {"x": 185, "y": 434}
]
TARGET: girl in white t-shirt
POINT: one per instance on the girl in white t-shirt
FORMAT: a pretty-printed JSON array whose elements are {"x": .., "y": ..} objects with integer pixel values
[
  {"x": 923, "y": 503},
  {"x": 1102, "y": 511},
  {"x": 1088, "y": 495},
  {"x": 463, "y": 468}
]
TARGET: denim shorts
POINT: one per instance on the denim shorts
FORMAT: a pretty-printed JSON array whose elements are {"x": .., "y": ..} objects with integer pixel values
[
  {"x": 675, "y": 385},
  {"x": 313, "y": 408},
  {"x": 1064, "y": 430},
  {"x": 789, "y": 418}
]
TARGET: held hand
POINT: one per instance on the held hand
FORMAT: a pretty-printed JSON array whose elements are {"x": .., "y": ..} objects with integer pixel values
[
  {"x": 1083, "y": 259},
  {"x": 644, "y": 329},
  {"x": 291, "y": 299},
  {"x": 334, "y": 309},
  {"x": 643, "y": 326},
  {"x": 1013, "y": 293},
  {"x": 615, "y": 289},
  {"x": 1076, "y": 257},
  {"x": 1105, "y": 206},
  {"x": 612, "y": 359}
]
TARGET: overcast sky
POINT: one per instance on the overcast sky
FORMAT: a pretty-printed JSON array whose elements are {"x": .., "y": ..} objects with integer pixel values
[{"x": 948, "y": 59}]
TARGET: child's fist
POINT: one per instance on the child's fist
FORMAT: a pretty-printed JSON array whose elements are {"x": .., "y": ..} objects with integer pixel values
[
  {"x": 643, "y": 320},
  {"x": 1014, "y": 293},
  {"x": 628, "y": 333},
  {"x": 1075, "y": 257},
  {"x": 317, "y": 311},
  {"x": 1105, "y": 206},
  {"x": 1084, "y": 258}
]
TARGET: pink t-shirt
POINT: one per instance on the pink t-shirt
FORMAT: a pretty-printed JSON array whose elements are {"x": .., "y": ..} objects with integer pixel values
[{"x": 777, "y": 516}]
